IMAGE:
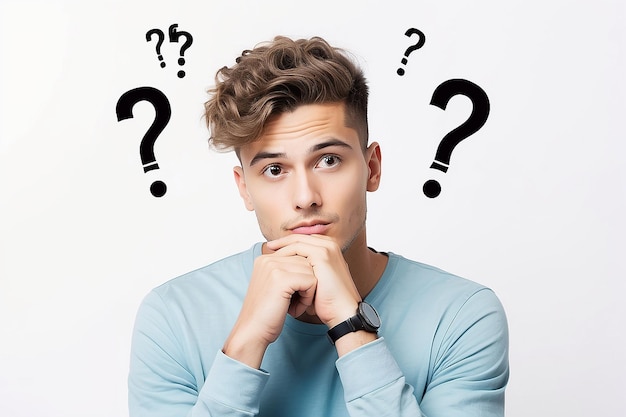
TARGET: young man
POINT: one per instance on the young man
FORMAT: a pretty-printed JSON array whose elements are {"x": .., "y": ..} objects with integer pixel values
[{"x": 292, "y": 327}]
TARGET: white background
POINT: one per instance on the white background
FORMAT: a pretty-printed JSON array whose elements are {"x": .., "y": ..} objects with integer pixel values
[{"x": 532, "y": 206}]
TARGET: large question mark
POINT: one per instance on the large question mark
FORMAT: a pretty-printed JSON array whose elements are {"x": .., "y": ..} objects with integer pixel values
[
  {"x": 418, "y": 45},
  {"x": 174, "y": 36},
  {"x": 476, "y": 120},
  {"x": 163, "y": 112},
  {"x": 161, "y": 36}
]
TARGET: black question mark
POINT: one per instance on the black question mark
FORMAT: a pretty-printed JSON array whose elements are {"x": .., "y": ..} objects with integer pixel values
[
  {"x": 418, "y": 45},
  {"x": 161, "y": 36},
  {"x": 163, "y": 112},
  {"x": 476, "y": 120},
  {"x": 174, "y": 36}
]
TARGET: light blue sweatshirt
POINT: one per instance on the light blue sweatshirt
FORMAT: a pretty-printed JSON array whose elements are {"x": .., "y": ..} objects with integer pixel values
[{"x": 442, "y": 351}]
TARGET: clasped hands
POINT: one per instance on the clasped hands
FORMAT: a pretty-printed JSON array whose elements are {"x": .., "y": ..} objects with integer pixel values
[{"x": 303, "y": 273}]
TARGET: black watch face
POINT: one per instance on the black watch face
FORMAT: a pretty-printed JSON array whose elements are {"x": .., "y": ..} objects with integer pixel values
[{"x": 370, "y": 315}]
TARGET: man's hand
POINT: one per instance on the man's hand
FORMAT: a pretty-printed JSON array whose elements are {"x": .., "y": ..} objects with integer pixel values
[
  {"x": 336, "y": 296},
  {"x": 279, "y": 285},
  {"x": 304, "y": 273}
]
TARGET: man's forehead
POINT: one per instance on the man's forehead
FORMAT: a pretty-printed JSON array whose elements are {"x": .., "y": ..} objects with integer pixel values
[
  {"x": 305, "y": 119},
  {"x": 304, "y": 128}
]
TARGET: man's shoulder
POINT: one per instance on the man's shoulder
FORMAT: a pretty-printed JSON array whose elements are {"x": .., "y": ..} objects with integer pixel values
[
  {"x": 425, "y": 275},
  {"x": 427, "y": 287},
  {"x": 232, "y": 270},
  {"x": 436, "y": 297}
]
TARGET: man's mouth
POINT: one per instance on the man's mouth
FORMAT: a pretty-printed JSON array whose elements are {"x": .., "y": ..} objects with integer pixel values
[{"x": 311, "y": 229}]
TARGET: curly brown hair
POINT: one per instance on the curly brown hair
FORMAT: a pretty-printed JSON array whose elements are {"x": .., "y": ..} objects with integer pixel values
[{"x": 277, "y": 77}]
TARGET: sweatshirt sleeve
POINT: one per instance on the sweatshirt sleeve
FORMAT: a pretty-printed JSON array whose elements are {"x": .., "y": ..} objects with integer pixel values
[
  {"x": 161, "y": 384},
  {"x": 374, "y": 384},
  {"x": 468, "y": 373}
]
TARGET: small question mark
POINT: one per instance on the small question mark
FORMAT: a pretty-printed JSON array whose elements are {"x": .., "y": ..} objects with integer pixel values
[
  {"x": 476, "y": 120},
  {"x": 163, "y": 112},
  {"x": 161, "y": 36},
  {"x": 174, "y": 36},
  {"x": 418, "y": 45}
]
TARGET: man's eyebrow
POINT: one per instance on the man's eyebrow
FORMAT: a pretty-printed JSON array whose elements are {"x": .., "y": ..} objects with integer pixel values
[
  {"x": 315, "y": 148},
  {"x": 328, "y": 143},
  {"x": 266, "y": 155}
]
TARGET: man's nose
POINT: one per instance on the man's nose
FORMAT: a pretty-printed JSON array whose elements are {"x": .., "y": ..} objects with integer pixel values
[{"x": 306, "y": 191}]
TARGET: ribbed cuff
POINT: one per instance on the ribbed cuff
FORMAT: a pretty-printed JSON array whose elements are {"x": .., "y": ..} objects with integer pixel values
[
  {"x": 234, "y": 385},
  {"x": 367, "y": 369}
]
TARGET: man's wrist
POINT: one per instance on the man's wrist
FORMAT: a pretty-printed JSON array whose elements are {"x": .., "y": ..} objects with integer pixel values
[
  {"x": 344, "y": 314},
  {"x": 247, "y": 352},
  {"x": 365, "y": 319}
]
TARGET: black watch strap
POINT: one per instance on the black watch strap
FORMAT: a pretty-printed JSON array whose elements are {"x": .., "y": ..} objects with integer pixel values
[
  {"x": 366, "y": 318},
  {"x": 343, "y": 329}
]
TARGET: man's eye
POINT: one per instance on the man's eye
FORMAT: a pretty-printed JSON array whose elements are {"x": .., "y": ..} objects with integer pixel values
[
  {"x": 329, "y": 161},
  {"x": 272, "y": 171}
]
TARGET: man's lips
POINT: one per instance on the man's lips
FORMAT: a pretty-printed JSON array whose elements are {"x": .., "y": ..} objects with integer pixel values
[{"x": 312, "y": 229}]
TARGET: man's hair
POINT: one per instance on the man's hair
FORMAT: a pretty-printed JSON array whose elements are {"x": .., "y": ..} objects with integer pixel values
[{"x": 277, "y": 77}]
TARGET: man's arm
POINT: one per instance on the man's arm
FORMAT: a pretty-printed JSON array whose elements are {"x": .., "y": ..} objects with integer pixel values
[
  {"x": 161, "y": 381},
  {"x": 472, "y": 365},
  {"x": 469, "y": 376},
  {"x": 162, "y": 385}
]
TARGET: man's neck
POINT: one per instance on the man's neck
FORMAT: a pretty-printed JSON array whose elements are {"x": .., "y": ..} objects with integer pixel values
[{"x": 366, "y": 265}]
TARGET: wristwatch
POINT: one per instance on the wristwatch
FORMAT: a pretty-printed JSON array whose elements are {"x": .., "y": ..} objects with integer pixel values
[{"x": 366, "y": 318}]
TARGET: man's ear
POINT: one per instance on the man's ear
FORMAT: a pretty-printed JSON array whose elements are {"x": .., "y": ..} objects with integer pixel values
[
  {"x": 373, "y": 158},
  {"x": 240, "y": 180}
]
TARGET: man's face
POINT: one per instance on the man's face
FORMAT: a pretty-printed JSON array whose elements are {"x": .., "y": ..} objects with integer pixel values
[{"x": 308, "y": 174}]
